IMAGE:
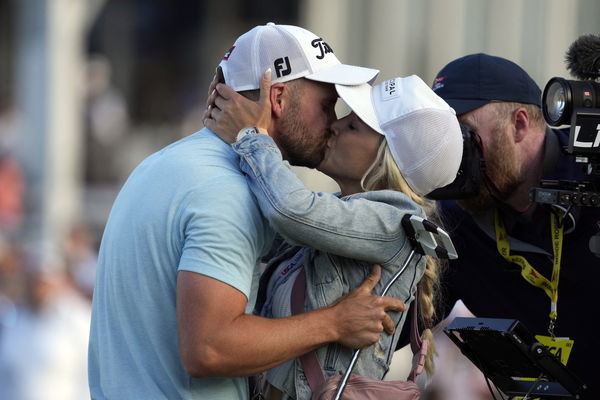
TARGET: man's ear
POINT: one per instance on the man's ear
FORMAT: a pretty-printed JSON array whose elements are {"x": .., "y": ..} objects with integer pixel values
[
  {"x": 278, "y": 97},
  {"x": 521, "y": 123}
]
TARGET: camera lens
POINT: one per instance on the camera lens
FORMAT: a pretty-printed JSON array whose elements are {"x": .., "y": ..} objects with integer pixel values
[
  {"x": 555, "y": 101},
  {"x": 562, "y": 96}
]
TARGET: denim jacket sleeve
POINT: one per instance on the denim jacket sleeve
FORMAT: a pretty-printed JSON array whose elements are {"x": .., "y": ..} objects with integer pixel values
[{"x": 365, "y": 226}]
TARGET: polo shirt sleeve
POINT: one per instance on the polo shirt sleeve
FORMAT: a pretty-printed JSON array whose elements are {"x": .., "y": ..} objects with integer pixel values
[{"x": 224, "y": 233}]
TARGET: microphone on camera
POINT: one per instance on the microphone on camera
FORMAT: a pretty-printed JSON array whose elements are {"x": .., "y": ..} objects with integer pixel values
[{"x": 583, "y": 57}]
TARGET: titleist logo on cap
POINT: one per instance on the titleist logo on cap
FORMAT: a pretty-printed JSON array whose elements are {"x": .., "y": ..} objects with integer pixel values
[{"x": 323, "y": 47}]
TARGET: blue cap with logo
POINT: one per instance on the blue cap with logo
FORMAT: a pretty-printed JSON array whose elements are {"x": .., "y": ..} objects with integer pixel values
[{"x": 475, "y": 80}]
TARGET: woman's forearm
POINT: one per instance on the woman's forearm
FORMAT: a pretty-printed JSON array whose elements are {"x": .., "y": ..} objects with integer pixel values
[{"x": 346, "y": 227}]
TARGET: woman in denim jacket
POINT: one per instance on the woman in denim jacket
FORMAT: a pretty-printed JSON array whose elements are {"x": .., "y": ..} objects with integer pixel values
[{"x": 400, "y": 143}]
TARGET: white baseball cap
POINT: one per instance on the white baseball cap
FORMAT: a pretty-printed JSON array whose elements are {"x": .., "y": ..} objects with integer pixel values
[
  {"x": 421, "y": 129},
  {"x": 291, "y": 52}
]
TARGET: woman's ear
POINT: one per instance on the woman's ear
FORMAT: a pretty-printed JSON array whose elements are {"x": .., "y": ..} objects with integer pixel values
[{"x": 278, "y": 97}]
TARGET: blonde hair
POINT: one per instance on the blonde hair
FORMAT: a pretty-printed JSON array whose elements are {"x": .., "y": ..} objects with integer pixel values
[{"x": 384, "y": 174}]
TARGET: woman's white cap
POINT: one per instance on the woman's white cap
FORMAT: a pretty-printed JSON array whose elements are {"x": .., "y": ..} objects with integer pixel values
[{"x": 421, "y": 129}]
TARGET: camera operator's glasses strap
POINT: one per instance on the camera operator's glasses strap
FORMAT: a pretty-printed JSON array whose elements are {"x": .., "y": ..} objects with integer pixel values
[{"x": 527, "y": 271}]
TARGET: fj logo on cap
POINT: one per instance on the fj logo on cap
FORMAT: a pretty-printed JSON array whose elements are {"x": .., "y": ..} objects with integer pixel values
[
  {"x": 322, "y": 46},
  {"x": 282, "y": 67}
]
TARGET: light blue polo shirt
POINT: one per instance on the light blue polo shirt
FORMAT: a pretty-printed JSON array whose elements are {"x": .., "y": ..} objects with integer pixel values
[{"x": 186, "y": 207}]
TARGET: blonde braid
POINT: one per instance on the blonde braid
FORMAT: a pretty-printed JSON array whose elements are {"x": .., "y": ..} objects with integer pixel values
[
  {"x": 384, "y": 174},
  {"x": 428, "y": 286}
]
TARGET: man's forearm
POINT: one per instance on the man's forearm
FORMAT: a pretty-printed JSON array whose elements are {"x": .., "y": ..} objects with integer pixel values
[
  {"x": 251, "y": 344},
  {"x": 216, "y": 337}
]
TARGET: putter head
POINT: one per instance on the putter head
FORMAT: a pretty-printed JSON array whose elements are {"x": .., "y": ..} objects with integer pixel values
[{"x": 428, "y": 238}]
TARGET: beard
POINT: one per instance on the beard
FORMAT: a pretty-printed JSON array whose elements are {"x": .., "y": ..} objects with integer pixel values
[
  {"x": 298, "y": 144},
  {"x": 503, "y": 172}
]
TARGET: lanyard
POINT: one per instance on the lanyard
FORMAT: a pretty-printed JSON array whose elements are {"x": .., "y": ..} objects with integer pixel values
[{"x": 527, "y": 271}]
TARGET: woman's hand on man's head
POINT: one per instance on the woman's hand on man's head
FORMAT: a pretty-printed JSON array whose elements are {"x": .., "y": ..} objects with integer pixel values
[{"x": 227, "y": 111}]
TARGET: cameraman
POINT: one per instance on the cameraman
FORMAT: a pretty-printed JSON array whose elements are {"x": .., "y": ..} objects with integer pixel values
[{"x": 500, "y": 102}]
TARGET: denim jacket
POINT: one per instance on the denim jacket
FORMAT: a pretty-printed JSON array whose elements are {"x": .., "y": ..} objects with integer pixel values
[{"x": 341, "y": 239}]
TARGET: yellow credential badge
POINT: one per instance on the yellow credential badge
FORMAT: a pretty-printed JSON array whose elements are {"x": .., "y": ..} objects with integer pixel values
[{"x": 560, "y": 347}]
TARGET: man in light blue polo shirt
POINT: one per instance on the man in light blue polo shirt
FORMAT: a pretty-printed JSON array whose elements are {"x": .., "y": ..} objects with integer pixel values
[{"x": 178, "y": 255}]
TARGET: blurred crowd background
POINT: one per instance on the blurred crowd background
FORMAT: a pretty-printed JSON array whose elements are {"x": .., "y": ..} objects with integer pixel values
[{"x": 88, "y": 88}]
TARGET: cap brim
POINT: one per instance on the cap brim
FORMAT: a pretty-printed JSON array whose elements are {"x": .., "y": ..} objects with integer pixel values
[
  {"x": 462, "y": 106},
  {"x": 343, "y": 74},
  {"x": 360, "y": 99}
]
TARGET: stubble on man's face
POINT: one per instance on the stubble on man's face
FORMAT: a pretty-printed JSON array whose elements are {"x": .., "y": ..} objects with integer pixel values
[
  {"x": 303, "y": 138},
  {"x": 503, "y": 169}
]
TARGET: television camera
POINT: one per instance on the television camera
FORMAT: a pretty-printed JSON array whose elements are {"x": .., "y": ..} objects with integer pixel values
[{"x": 576, "y": 103}]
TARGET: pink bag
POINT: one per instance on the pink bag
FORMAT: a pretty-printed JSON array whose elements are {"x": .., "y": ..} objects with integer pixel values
[{"x": 363, "y": 388}]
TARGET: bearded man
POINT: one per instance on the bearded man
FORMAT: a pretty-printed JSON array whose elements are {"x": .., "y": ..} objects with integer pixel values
[{"x": 509, "y": 247}]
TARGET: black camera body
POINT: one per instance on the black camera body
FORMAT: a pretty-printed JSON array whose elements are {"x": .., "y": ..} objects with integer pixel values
[
  {"x": 577, "y": 104},
  {"x": 469, "y": 176}
]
